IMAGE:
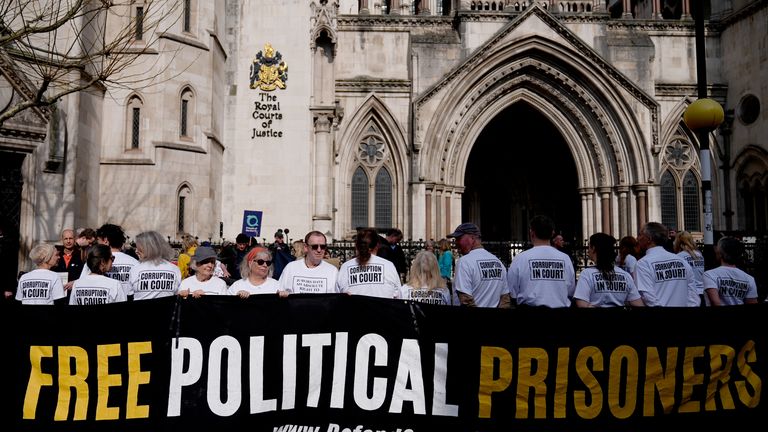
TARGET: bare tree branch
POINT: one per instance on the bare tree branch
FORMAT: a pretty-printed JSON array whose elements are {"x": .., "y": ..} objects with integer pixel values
[{"x": 65, "y": 46}]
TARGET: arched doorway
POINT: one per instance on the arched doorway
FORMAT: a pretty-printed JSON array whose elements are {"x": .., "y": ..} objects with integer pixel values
[{"x": 521, "y": 166}]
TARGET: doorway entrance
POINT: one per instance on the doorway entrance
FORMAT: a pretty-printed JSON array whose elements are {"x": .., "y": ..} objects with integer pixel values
[
  {"x": 521, "y": 166},
  {"x": 10, "y": 216}
]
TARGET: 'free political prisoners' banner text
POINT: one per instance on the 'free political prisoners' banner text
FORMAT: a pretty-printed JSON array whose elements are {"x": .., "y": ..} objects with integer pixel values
[{"x": 345, "y": 363}]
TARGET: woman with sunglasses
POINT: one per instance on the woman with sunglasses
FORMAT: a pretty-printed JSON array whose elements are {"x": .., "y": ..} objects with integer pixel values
[
  {"x": 256, "y": 272},
  {"x": 95, "y": 288}
]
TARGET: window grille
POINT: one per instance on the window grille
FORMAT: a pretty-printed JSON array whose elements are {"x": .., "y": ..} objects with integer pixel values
[
  {"x": 135, "y": 124},
  {"x": 668, "y": 201},
  {"x": 187, "y": 14},
  {"x": 139, "y": 23},
  {"x": 359, "y": 199},
  {"x": 691, "y": 210},
  {"x": 180, "y": 227},
  {"x": 184, "y": 111},
  {"x": 383, "y": 204}
]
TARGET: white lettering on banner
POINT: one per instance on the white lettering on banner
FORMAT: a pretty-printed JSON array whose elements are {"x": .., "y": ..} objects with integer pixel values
[{"x": 371, "y": 352}]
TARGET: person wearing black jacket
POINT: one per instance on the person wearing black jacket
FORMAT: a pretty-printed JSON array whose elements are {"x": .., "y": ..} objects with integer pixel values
[
  {"x": 70, "y": 258},
  {"x": 390, "y": 250}
]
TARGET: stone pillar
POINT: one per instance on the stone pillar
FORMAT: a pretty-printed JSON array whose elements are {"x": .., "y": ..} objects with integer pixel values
[
  {"x": 686, "y": 9},
  {"x": 428, "y": 233},
  {"x": 627, "y": 6},
  {"x": 656, "y": 12},
  {"x": 605, "y": 207},
  {"x": 364, "y": 8},
  {"x": 321, "y": 215},
  {"x": 625, "y": 219},
  {"x": 586, "y": 212},
  {"x": 641, "y": 199},
  {"x": 394, "y": 7}
]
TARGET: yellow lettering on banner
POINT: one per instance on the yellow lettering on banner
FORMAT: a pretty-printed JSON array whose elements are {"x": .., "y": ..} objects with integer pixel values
[
  {"x": 69, "y": 380},
  {"x": 659, "y": 379},
  {"x": 746, "y": 356},
  {"x": 720, "y": 373},
  {"x": 623, "y": 354},
  {"x": 561, "y": 381},
  {"x": 37, "y": 379},
  {"x": 691, "y": 379},
  {"x": 105, "y": 381},
  {"x": 136, "y": 377},
  {"x": 587, "y": 355},
  {"x": 489, "y": 385},
  {"x": 527, "y": 381}
]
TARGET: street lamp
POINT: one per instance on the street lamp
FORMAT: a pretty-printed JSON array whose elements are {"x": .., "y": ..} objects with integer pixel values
[{"x": 702, "y": 117}]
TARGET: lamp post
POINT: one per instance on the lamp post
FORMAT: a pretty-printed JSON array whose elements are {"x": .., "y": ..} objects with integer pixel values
[{"x": 702, "y": 117}]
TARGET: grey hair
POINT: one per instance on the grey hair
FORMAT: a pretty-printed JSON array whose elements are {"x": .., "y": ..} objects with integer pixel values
[
  {"x": 154, "y": 247},
  {"x": 42, "y": 252}
]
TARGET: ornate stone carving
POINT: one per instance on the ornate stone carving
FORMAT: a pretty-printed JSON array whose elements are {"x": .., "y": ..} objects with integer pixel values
[{"x": 324, "y": 19}]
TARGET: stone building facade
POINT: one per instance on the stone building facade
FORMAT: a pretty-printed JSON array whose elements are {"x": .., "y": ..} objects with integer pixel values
[{"x": 335, "y": 114}]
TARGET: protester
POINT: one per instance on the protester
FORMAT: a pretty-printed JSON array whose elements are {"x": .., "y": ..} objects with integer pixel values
[
  {"x": 389, "y": 248},
  {"x": 605, "y": 284},
  {"x": 542, "y": 275},
  {"x": 122, "y": 263},
  {"x": 41, "y": 286},
  {"x": 685, "y": 247},
  {"x": 232, "y": 256},
  {"x": 281, "y": 254},
  {"x": 310, "y": 274},
  {"x": 203, "y": 282},
  {"x": 256, "y": 272},
  {"x": 94, "y": 288},
  {"x": 70, "y": 259},
  {"x": 663, "y": 278},
  {"x": 445, "y": 261},
  {"x": 86, "y": 237},
  {"x": 188, "y": 246},
  {"x": 627, "y": 257},
  {"x": 727, "y": 284},
  {"x": 154, "y": 276},
  {"x": 480, "y": 278},
  {"x": 425, "y": 285},
  {"x": 367, "y": 274}
]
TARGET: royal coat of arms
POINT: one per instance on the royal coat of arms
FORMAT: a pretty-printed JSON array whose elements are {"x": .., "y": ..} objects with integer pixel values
[{"x": 268, "y": 70}]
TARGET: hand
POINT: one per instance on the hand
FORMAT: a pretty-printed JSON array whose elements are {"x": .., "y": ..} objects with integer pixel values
[
  {"x": 243, "y": 294},
  {"x": 283, "y": 294},
  {"x": 68, "y": 285},
  {"x": 198, "y": 293},
  {"x": 184, "y": 294}
]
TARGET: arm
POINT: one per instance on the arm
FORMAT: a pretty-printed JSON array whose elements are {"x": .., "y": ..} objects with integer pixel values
[{"x": 466, "y": 299}]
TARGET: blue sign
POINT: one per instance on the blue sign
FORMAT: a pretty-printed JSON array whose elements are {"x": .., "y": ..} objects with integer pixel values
[{"x": 252, "y": 223}]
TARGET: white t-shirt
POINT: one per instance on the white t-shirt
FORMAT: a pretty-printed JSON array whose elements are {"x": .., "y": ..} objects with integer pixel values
[
  {"x": 481, "y": 275},
  {"x": 697, "y": 265},
  {"x": 542, "y": 276},
  {"x": 93, "y": 289},
  {"x": 630, "y": 262},
  {"x": 593, "y": 288},
  {"x": 120, "y": 271},
  {"x": 439, "y": 296},
  {"x": 377, "y": 278},
  {"x": 150, "y": 280},
  {"x": 732, "y": 284},
  {"x": 39, "y": 287},
  {"x": 299, "y": 279},
  {"x": 213, "y": 286},
  {"x": 665, "y": 279},
  {"x": 270, "y": 286}
]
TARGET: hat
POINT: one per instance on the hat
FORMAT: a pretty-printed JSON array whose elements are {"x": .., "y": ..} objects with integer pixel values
[
  {"x": 465, "y": 228},
  {"x": 279, "y": 234},
  {"x": 203, "y": 253},
  {"x": 242, "y": 238}
]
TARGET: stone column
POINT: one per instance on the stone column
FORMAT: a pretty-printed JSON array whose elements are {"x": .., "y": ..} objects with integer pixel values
[
  {"x": 656, "y": 12},
  {"x": 587, "y": 227},
  {"x": 641, "y": 199},
  {"x": 364, "y": 8},
  {"x": 625, "y": 219},
  {"x": 686, "y": 9},
  {"x": 605, "y": 207},
  {"x": 321, "y": 217},
  {"x": 627, "y": 6},
  {"x": 394, "y": 7}
]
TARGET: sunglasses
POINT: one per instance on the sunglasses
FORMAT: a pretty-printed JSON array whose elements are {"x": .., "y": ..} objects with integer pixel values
[
  {"x": 319, "y": 246},
  {"x": 262, "y": 262}
]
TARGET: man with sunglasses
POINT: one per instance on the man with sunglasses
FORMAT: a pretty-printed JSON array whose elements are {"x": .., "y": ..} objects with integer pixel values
[{"x": 311, "y": 274}]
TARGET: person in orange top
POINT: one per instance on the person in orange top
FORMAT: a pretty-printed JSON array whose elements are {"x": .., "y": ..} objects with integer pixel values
[{"x": 70, "y": 259}]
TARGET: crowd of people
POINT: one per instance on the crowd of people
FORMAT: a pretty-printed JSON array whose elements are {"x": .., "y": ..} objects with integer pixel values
[{"x": 95, "y": 267}]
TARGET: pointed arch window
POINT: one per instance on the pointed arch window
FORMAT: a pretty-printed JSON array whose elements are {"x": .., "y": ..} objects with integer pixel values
[
  {"x": 359, "y": 198},
  {"x": 139, "y": 33},
  {"x": 133, "y": 122},
  {"x": 383, "y": 204},
  {"x": 186, "y": 109},
  {"x": 182, "y": 208},
  {"x": 691, "y": 208},
  {"x": 668, "y": 200}
]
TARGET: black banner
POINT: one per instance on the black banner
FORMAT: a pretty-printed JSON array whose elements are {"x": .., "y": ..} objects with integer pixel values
[{"x": 327, "y": 363}]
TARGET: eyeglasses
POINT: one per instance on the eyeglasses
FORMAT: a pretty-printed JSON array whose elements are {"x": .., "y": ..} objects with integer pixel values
[
  {"x": 262, "y": 262},
  {"x": 319, "y": 246}
]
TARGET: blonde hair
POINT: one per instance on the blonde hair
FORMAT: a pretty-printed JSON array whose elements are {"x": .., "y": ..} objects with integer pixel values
[
  {"x": 253, "y": 255},
  {"x": 188, "y": 241},
  {"x": 684, "y": 242},
  {"x": 298, "y": 249},
  {"x": 443, "y": 244},
  {"x": 424, "y": 272},
  {"x": 42, "y": 252}
]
